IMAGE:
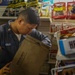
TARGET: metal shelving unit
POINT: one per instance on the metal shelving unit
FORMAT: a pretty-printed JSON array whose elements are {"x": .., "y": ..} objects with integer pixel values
[{"x": 60, "y": 57}]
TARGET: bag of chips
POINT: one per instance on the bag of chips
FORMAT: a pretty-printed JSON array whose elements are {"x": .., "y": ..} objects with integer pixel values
[
  {"x": 59, "y": 11},
  {"x": 71, "y": 10}
]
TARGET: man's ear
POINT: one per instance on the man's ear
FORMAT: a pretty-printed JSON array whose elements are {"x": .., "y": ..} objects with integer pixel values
[{"x": 20, "y": 21}]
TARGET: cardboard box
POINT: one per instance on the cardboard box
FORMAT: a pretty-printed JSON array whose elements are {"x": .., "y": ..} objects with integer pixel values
[
  {"x": 67, "y": 46},
  {"x": 29, "y": 58}
]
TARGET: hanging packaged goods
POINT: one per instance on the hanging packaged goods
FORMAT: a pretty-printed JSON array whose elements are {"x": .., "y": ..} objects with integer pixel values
[
  {"x": 32, "y": 3},
  {"x": 10, "y": 9},
  {"x": 71, "y": 10},
  {"x": 44, "y": 8},
  {"x": 19, "y": 6},
  {"x": 59, "y": 10},
  {"x": 16, "y": 6}
]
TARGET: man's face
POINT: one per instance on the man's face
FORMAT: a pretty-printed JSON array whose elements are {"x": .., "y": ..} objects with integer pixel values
[{"x": 25, "y": 28}]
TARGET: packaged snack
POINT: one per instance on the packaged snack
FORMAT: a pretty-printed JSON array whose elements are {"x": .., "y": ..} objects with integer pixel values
[
  {"x": 54, "y": 27},
  {"x": 39, "y": 8},
  {"x": 71, "y": 10},
  {"x": 31, "y": 3},
  {"x": 59, "y": 11},
  {"x": 19, "y": 6},
  {"x": 45, "y": 9},
  {"x": 10, "y": 9}
]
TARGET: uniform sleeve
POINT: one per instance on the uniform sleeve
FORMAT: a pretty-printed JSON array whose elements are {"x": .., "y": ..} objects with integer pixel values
[{"x": 40, "y": 36}]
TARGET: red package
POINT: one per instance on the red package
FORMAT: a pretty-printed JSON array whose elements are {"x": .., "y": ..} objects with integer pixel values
[
  {"x": 59, "y": 10},
  {"x": 52, "y": 27},
  {"x": 71, "y": 10},
  {"x": 68, "y": 31}
]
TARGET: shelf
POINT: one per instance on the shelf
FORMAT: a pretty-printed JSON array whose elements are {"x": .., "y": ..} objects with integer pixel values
[
  {"x": 45, "y": 18},
  {"x": 42, "y": 18},
  {"x": 2, "y": 9},
  {"x": 64, "y": 20},
  {"x": 8, "y": 17}
]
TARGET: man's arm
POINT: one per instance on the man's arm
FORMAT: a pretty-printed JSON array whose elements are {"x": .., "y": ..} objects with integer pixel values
[{"x": 40, "y": 36}]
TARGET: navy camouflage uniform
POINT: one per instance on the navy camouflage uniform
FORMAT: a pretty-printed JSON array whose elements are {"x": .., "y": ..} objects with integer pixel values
[{"x": 9, "y": 42}]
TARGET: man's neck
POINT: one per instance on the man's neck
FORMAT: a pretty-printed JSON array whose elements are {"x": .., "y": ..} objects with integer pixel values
[{"x": 13, "y": 27}]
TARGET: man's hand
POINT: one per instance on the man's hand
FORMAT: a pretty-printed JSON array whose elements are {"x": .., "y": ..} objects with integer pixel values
[{"x": 5, "y": 70}]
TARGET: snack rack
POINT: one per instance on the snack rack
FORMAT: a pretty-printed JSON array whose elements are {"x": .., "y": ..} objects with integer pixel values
[{"x": 59, "y": 58}]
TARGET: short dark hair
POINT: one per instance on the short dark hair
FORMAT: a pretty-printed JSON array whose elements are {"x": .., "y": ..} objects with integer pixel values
[{"x": 30, "y": 15}]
